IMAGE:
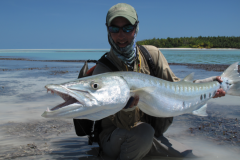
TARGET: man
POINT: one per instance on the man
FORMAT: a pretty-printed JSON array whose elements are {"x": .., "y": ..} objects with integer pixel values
[{"x": 131, "y": 134}]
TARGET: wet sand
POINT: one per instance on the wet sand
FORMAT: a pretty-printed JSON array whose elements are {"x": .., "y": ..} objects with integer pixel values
[
  {"x": 25, "y": 134},
  {"x": 208, "y": 67}
]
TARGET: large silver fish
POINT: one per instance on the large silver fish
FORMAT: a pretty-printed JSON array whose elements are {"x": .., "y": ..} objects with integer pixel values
[{"x": 99, "y": 96}]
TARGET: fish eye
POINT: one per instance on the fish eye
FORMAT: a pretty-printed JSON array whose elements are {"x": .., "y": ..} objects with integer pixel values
[{"x": 94, "y": 85}]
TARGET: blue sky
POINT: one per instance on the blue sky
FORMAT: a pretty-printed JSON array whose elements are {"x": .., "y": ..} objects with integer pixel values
[{"x": 80, "y": 24}]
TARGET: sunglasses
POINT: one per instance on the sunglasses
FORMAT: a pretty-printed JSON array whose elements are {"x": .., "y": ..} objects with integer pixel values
[{"x": 127, "y": 29}]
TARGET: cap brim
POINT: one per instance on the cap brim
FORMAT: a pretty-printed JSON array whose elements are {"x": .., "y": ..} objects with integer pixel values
[{"x": 129, "y": 18}]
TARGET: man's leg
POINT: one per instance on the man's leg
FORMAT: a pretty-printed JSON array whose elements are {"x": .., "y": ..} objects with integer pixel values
[
  {"x": 133, "y": 144},
  {"x": 167, "y": 147}
]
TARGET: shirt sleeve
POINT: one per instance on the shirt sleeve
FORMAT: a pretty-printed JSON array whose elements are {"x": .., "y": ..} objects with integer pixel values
[{"x": 163, "y": 70}]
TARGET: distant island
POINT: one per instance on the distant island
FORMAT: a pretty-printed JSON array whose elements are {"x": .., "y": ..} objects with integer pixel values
[{"x": 194, "y": 42}]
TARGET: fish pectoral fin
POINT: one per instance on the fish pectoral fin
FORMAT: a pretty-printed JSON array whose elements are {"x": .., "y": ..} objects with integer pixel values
[
  {"x": 201, "y": 111},
  {"x": 189, "y": 78},
  {"x": 144, "y": 89}
]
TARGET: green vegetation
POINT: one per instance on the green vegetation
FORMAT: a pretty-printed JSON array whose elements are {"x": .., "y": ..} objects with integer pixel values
[{"x": 194, "y": 42}]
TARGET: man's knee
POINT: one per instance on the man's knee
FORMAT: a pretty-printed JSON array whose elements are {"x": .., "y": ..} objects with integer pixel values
[
  {"x": 138, "y": 142},
  {"x": 144, "y": 134}
]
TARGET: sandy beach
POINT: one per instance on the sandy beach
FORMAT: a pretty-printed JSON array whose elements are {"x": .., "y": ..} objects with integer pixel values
[{"x": 25, "y": 134}]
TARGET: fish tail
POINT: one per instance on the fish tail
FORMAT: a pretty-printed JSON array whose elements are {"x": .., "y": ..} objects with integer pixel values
[{"x": 231, "y": 80}]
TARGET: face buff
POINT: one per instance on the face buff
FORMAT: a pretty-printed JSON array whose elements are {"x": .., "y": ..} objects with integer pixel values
[{"x": 126, "y": 54}]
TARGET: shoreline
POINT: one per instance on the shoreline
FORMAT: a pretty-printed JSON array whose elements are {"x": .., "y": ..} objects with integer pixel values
[
  {"x": 109, "y": 49},
  {"x": 53, "y": 49},
  {"x": 207, "y": 67},
  {"x": 26, "y": 59}
]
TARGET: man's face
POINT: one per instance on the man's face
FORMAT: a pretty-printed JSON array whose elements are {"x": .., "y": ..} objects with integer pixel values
[{"x": 122, "y": 39}]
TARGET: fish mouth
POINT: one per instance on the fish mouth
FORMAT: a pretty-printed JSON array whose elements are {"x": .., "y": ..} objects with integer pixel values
[{"x": 66, "y": 97}]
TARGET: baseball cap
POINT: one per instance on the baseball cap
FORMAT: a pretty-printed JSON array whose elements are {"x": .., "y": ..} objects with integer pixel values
[{"x": 122, "y": 10}]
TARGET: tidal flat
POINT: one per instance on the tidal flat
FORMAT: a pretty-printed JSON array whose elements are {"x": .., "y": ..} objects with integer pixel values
[{"x": 25, "y": 134}]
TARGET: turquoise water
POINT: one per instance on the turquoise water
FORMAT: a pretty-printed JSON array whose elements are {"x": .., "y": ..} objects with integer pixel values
[
  {"x": 203, "y": 56},
  {"x": 54, "y": 54}
]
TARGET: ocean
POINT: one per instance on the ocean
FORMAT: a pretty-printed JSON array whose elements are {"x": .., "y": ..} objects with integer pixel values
[{"x": 195, "y": 56}]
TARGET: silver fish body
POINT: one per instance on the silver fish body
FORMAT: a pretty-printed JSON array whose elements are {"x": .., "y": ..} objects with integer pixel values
[
  {"x": 168, "y": 99},
  {"x": 89, "y": 98},
  {"x": 99, "y": 96}
]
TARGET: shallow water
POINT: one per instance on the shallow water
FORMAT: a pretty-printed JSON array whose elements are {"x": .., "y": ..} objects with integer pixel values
[
  {"x": 203, "y": 56},
  {"x": 195, "y": 56},
  {"x": 23, "y": 99},
  {"x": 54, "y": 54}
]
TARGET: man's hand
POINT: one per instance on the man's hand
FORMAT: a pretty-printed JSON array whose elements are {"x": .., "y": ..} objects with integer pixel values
[
  {"x": 220, "y": 92},
  {"x": 133, "y": 101}
]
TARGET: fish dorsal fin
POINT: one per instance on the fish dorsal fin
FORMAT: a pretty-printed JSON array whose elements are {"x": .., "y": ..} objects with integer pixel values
[
  {"x": 201, "y": 111},
  {"x": 189, "y": 78}
]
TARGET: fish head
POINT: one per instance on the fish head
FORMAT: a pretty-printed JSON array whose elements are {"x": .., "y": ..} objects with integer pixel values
[{"x": 89, "y": 95}]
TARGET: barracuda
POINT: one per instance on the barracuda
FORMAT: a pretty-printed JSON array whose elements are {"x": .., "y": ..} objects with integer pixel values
[{"x": 99, "y": 96}]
